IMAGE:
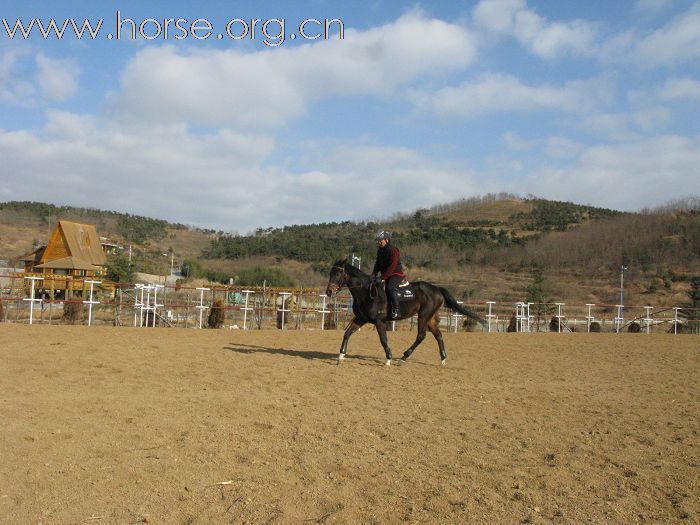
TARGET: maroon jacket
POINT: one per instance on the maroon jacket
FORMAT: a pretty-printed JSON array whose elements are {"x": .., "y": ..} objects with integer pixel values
[{"x": 388, "y": 262}]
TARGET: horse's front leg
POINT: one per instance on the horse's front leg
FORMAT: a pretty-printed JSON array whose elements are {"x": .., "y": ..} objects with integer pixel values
[
  {"x": 381, "y": 330},
  {"x": 354, "y": 326}
]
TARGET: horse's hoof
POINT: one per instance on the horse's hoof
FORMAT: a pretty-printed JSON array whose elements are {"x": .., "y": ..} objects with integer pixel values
[
  {"x": 443, "y": 362},
  {"x": 403, "y": 361},
  {"x": 341, "y": 357},
  {"x": 388, "y": 362}
]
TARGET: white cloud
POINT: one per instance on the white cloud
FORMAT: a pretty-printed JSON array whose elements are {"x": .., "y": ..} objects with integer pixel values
[
  {"x": 676, "y": 42},
  {"x": 542, "y": 37},
  {"x": 496, "y": 93},
  {"x": 672, "y": 44},
  {"x": 628, "y": 176},
  {"x": 223, "y": 180},
  {"x": 625, "y": 126},
  {"x": 680, "y": 88},
  {"x": 25, "y": 82},
  {"x": 267, "y": 88},
  {"x": 57, "y": 79},
  {"x": 14, "y": 89}
]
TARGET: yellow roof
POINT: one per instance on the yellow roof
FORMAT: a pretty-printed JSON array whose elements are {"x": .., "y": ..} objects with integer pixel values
[{"x": 82, "y": 242}]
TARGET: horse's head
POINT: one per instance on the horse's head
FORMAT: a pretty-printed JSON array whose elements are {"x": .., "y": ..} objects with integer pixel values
[{"x": 338, "y": 277}]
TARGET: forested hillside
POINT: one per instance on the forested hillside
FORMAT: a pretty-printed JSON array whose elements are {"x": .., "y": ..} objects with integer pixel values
[{"x": 494, "y": 246}]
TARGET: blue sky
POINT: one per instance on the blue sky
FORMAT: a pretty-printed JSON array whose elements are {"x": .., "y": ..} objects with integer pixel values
[{"x": 595, "y": 102}]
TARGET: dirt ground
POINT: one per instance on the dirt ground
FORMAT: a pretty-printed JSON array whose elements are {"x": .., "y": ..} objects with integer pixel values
[{"x": 104, "y": 425}]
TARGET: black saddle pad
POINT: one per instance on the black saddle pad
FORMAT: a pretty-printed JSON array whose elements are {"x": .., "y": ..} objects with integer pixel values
[{"x": 406, "y": 292}]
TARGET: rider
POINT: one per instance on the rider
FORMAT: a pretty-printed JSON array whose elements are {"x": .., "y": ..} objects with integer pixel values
[{"x": 388, "y": 267}]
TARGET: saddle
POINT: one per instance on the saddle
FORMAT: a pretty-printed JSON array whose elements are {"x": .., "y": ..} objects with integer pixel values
[{"x": 405, "y": 290}]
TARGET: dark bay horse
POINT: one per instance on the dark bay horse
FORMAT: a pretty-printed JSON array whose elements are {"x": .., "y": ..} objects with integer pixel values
[{"x": 370, "y": 306}]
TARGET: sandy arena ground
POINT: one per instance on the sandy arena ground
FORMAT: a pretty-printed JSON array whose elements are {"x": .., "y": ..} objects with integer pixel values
[{"x": 109, "y": 425}]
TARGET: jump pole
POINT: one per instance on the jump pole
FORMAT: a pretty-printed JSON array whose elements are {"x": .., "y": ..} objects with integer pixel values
[
  {"x": 323, "y": 310},
  {"x": 201, "y": 306},
  {"x": 619, "y": 319},
  {"x": 456, "y": 316},
  {"x": 246, "y": 308},
  {"x": 648, "y": 319},
  {"x": 559, "y": 316},
  {"x": 31, "y": 299},
  {"x": 155, "y": 301},
  {"x": 490, "y": 315},
  {"x": 283, "y": 310},
  {"x": 589, "y": 317},
  {"x": 91, "y": 301},
  {"x": 675, "y": 320},
  {"x": 520, "y": 316},
  {"x": 138, "y": 300}
]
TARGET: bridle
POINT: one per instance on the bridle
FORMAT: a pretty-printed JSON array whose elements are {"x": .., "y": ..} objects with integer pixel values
[
  {"x": 345, "y": 281},
  {"x": 334, "y": 287}
]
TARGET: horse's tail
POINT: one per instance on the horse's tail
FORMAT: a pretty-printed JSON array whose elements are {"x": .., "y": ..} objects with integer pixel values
[{"x": 452, "y": 303}]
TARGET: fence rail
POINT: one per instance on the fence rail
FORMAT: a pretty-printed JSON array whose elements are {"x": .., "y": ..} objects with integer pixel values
[{"x": 147, "y": 305}]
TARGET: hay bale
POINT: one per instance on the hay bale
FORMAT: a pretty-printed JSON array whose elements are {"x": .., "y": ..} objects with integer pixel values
[
  {"x": 595, "y": 327},
  {"x": 329, "y": 323},
  {"x": 634, "y": 328},
  {"x": 554, "y": 324},
  {"x": 217, "y": 314},
  {"x": 469, "y": 325},
  {"x": 73, "y": 311}
]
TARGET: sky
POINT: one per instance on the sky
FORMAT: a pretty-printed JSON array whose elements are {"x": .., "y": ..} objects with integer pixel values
[{"x": 418, "y": 104}]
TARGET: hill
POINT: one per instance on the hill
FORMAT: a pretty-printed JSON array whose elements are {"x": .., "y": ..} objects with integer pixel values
[{"x": 490, "y": 247}]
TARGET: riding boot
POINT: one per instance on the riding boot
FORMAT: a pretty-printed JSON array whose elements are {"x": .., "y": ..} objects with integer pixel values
[{"x": 395, "y": 310}]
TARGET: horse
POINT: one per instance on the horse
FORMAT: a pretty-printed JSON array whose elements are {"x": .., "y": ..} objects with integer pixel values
[{"x": 369, "y": 305}]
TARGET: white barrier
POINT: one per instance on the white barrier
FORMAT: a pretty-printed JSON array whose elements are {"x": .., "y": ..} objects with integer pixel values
[
  {"x": 201, "y": 307},
  {"x": 284, "y": 310},
  {"x": 91, "y": 301},
  {"x": 559, "y": 316},
  {"x": 323, "y": 311},
  {"x": 490, "y": 316},
  {"x": 589, "y": 317},
  {"x": 619, "y": 320},
  {"x": 31, "y": 299},
  {"x": 246, "y": 308}
]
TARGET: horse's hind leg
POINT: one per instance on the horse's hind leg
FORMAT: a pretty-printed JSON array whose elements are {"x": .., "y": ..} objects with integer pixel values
[
  {"x": 351, "y": 329},
  {"x": 433, "y": 326}
]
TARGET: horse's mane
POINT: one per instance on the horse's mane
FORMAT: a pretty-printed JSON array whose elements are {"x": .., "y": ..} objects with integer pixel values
[{"x": 351, "y": 270}]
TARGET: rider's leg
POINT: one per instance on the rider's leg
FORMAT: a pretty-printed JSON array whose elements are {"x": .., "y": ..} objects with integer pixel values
[{"x": 392, "y": 289}]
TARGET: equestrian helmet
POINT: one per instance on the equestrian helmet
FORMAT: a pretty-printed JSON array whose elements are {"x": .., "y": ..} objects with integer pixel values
[{"x": 383, "y": 235}]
